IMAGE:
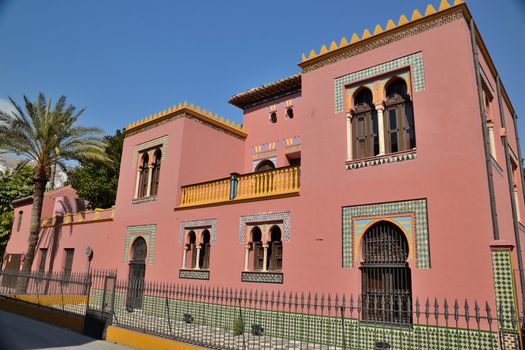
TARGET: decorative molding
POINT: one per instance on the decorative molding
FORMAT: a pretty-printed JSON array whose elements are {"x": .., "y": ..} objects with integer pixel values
[
  {"x": 414, "y": 61},
  {"x": 378, "y": 160},
  {"x": 417, "y": 227},
  {"x": 144, "y": 200},
  {"x": 194, "y": 274},
  {"x": 261, "y": 218},
  {"x": 163, "y": 141},
  {"x": 186, "y": 225},
  {"x": 267, "y": 154},
  {"x": 355, "y": 48},
  {"x": 262, "y": 277},
  {"x": 147, "y": 232}
]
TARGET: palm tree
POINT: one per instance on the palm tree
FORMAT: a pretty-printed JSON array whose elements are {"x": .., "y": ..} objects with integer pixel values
[{"x": 46, "y": 136}]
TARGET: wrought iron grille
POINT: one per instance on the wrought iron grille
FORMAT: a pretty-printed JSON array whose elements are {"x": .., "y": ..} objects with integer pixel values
[{"x": 386, "y": 278}]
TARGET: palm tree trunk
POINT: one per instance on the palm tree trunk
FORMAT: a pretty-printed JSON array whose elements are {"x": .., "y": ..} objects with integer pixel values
[{"x": 34, "y": 230}]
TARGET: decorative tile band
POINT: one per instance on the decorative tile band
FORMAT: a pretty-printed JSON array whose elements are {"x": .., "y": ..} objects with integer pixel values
[
  {"x": 149, "y": 144},
  {"x": 388, "y": 158},
  {"x": 284, "y": 216},
  {"x": 184, "y": 225},
  {"x": 194, "y": 274},
  {"x": 147, "y": 232},
  {"x": 262, "y": 277},
  {"x": 417, "y": 228},
  {"x": 504, "y": 286},
  {"x": 417, "y": 71}
]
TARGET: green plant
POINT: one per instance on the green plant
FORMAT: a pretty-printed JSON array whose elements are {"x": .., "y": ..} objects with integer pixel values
[{"x": 238, "y": 327}]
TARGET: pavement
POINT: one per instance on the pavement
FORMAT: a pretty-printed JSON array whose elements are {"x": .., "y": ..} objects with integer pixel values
[{"x": 22, "y": 333}]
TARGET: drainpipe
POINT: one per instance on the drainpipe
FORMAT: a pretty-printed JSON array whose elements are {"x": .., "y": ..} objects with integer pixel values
[
  {"x": 511, "y": 192},
  {"x": 488, "y": 161}
]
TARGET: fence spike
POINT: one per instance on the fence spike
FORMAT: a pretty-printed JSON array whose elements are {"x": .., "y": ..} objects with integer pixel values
[
  {"x": 359, "y": 305},
  {"x": 427, "y": 309},
  {"x": 418, "y": 313},
  {"x": 466, "y": 307},
  {"x": 456, "y": 310},
  {"x": 487, "y": 310},
  {"x": 445, "y": 306},
  {"x": 476, "y": 311},
  {"x": 436, "y": 309}
]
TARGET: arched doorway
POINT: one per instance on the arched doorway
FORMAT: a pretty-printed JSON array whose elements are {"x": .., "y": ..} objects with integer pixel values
[
  {"x": 275, "y": 250},
  {"x": 386, "y": 277},
  {"x": 265, "y": 165},
  {"x": 137, "y": 271}
]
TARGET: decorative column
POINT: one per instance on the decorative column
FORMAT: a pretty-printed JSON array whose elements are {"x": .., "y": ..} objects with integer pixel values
[
  {"x": 197, "y": 267},
  {"x": 490, "y": 127},
  {"x": 137, "y": 183},
  {"x": 150, "y": 176},
  {"x": 265, "y": 256},
  {"x": 246, "y": 256},
  {"x": 505, "y": 291},
  {"x": 184, "y": 256},
  {"x": 381, "y": 128},
  {"x": 349, "y": 136}
]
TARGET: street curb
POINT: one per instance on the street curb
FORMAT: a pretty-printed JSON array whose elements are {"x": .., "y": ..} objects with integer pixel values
[{"x": 144, "y": 341}]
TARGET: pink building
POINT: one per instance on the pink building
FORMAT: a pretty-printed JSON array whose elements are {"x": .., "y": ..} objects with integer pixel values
[{"x": 390, "y": 163}]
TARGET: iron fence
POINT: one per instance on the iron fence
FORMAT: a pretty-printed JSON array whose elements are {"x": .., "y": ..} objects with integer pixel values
[
  {"x": 225, "y": 318},
  {"x": 68, "y": 292}
]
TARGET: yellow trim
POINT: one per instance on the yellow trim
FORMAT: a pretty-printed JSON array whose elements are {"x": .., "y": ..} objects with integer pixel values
[
  {"x": 58, "y": 318},
  {"x": 144, "y": 341},
  {"x": 46, "y": 300}
]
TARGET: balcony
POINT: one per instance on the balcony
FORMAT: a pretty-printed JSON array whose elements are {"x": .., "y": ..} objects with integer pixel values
[{"x": 279, "y": 182}]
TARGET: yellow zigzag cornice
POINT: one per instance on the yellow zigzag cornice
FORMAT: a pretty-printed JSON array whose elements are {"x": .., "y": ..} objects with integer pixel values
[
  {"x": 198, "y": 112},
  {"x": 430, "y": 10}
]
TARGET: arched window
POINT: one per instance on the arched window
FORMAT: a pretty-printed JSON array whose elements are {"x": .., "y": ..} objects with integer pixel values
[
  {"x": 143, "y": 179},
  {"x": 289, "y": 112},
  {"x": 258, "y": 250},
  {"x": 192, "y": 248},
  {"x": 399, "y": 118},
  {"x": 155, "y": 173},
  {"x": 386, "y": 277},
  {"x": 265, "y": 165},
  {"x": 137, "y": 272},
  {"x": 364, "y": 125},
  {"x": 275, "y": 250},
  {"x": 204, "y": 258}
]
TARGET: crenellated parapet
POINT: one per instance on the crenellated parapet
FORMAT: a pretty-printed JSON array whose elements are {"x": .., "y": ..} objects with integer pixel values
[
  {"x": 195, "y": 111},
  {"x": 377, "y": 32}
]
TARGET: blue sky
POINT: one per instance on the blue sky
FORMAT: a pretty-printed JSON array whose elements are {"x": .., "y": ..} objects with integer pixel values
[{"x": 123, "y": 60}]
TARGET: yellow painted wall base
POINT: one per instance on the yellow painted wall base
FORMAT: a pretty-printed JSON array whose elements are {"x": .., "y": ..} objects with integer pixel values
[
  {"x": 52, "y": 299},
  {"x": 144, "y": 341},
  {"x": 72, "y": 322}
]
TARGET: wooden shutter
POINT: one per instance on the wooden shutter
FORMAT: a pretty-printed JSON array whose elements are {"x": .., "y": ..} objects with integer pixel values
[
  {"x": 277, "y": 255},
  {"x": 258, "y": 256},
  {"x": 206, "y": 264},
  {"x": 193, "y": 255},
  {"x": 68, "y": 262}
]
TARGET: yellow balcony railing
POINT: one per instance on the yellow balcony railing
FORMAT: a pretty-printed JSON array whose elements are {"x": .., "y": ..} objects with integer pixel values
[
  {"x": 268, "y": 183},
  {"x": 205, "y": 193},
  {"x": 238, "y": 187}
]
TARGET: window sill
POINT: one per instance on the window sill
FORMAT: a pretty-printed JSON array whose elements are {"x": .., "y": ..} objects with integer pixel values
[
  {"x": 262, "y": 277},
  {"x": 194, "y": 274},
  {"x": 383, "y": 159},
  {"x": 144, "y": 200}
]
